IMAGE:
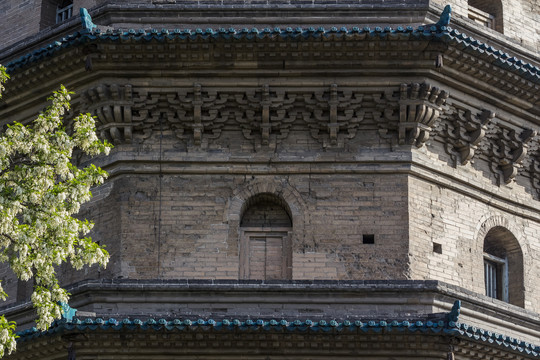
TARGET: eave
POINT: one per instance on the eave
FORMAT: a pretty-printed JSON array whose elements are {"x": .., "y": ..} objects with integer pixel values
[
  {"x": 433, "y": 51},
  {"x": 461, "y": 336}
]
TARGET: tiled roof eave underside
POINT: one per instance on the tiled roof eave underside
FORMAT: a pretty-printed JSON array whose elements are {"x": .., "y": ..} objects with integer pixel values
[
  {"x": 449, "y": 328},
  {"x": 446, "y": 35}
]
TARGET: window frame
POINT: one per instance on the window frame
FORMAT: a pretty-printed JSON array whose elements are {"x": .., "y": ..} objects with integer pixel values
[
  {"x": 500, "y": 266},
  {"x": 64, "y": 13},
  {"x": 481, "y": 17},
  {"x": 487, "y": 13}
]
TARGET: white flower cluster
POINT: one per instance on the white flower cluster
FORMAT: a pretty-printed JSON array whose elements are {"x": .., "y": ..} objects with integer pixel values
[
  {"x": 7, "y": 340},
  {"x": 40, "y": 191}
]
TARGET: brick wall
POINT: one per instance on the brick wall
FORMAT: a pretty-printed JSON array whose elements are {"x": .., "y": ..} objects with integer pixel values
[
  {"x": 48, "y": 13},
  {"x": 181, "y": 218},
  {"x": 521, "y": 22},
  {"x": 459, "y": 223},
  {"x": 192, "y": 240},
  {"x": 19, "y": 19}
]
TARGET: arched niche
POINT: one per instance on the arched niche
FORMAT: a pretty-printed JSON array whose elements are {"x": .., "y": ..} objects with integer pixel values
[
  {"x": 265, "y": 210},
  {"x": 503, "y": 266},
  {"x": 265, "y": 238},
  {"x": 289, "y": 197}
]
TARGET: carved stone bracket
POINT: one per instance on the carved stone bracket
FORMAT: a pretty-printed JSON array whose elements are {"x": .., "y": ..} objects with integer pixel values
[
  {"x": 196, "y": 111},
  {"x": 419, "y": 109},
  {"x": 385, "y": 114},
  {"x": 508, "y": 150},
  {"x": 330, "y": 115},
  {"x": 465, "y": 132},
  {"x": 335, "y": 112},
  {"x": 530, "y": 167},
  {"x": 197, "y": 103},
  {"x": 273, "y": 108},
  {"x": 272, "y": 117},
  {"x": 263, "y": 113},
  {"x": 112, "y": 105},
  {"x": 205, "y": 113},
  {"x": 146, "y": 111}
]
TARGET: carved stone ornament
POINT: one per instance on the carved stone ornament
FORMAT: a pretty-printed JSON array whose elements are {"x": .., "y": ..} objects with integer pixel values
[
  {"x": 331, "y": 116},
  {"x": 465, "y": 132},
  {"x": 335, "y": 112},
  {"x": 508, "y": 150},
  {"x": 112, "y": 106},
  {"x": 265, "y": 114},
  {"x": 200, "y": 111},
  {"x": 194, "y": 111},
  {"x": 419, "y": 108}
]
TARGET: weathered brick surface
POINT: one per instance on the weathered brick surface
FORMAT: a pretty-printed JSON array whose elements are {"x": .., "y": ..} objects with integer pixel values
[
  {"x": 20, "y": 19},
  {"x": 440, "y": 213},
  {"x": 326, "y": 130},
  {"x": 193, "y": 240}
]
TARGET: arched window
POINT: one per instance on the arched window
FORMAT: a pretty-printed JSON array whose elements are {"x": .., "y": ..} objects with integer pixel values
[
  {"x": 488, "y": 13},
  {"x": 265, "y": 246},
  {"x": 503, "y": 266}
]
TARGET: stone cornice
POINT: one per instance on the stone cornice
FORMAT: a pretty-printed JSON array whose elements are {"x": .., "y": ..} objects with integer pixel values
[{"x": 431, "y": 301}]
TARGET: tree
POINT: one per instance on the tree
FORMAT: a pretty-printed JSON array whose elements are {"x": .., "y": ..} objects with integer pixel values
[{"x": 40, "y": 192}]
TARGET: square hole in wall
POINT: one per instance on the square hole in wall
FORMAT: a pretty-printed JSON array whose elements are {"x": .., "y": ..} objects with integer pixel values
[
  {"x": 437, "y": 248},
  {"x": 368, "y": 239}
]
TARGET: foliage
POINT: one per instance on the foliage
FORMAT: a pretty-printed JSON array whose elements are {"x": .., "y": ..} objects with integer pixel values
[{"x": 40, "y": 191}]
